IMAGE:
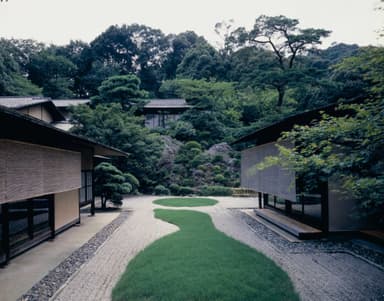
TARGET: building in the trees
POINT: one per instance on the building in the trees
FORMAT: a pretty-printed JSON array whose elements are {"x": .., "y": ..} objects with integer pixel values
[
  {"x": 45, "y": 176},
  {"x": 160, "y": 112},
  {"x": 64, "y": 106},
  {"x": 53, "y": 111},
  {"x": 35, "y": 106},
  {"x": 326, "y": 208}
]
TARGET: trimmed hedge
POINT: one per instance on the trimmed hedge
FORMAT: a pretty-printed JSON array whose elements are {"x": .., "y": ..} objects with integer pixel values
[
  {"x": 216, "y": 191},
  {"x": 161, "y": 190}
]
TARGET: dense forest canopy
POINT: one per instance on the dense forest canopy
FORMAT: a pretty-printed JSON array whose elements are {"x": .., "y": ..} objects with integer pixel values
[{"x": 256, "y": 77}]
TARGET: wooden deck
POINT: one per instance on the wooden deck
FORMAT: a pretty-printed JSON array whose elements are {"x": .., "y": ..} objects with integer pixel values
[
  {"x": 243, "y": 192},
  {"x": 376, "y": 236},
  {"x": 298, "y": 229}
]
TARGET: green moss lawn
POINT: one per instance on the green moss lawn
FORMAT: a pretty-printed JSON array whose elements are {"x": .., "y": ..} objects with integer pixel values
[
  {"x": 200, "y": 263},
  {"x": 185, "y": 202}
]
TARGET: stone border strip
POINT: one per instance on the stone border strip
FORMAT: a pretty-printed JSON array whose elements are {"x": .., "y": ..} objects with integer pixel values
[
  {"x": 314, "y": 246},
  {"x": 56, "y": 278}
]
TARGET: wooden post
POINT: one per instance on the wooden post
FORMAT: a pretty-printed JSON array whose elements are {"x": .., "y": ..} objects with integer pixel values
[
  {"x": 288, "y": 206},
  {"x": 265, "y": 198},
  {"x": 51, "y": 215},
  {"x": 324, "y": 206},
  {"x": 30, "y": 218},
  {"x": 274, "y": 201},
  {"x": 260, "y": 201},
  {"x": 93, "y": 194},
  {"x": 5, "y": 228}
]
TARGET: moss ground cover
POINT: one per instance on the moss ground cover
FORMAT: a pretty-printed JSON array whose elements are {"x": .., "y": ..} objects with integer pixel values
[
  {"x": 200, "y": 263},
  {"x": 185, "y": 202}
]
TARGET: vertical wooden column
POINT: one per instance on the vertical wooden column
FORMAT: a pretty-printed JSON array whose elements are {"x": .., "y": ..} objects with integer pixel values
[
  {"x": 51, "y": 215},
  {"x": 30, "y": 218},
  {"x": 260, "y": 200},
  {"x": 324, "y": 206},
  {"x": 93, "y": 194},
  {"x": 5, "y": 229},
  {"x": 288, "y": 206},
  {"x": 265, "y": 198}
]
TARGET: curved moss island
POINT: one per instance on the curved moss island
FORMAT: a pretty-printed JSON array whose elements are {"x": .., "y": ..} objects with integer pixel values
[
  {"x": 185, "y": 202},
  {"x": 200, "y": 263}
]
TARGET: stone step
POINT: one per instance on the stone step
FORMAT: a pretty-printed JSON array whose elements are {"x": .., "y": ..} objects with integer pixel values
[{"x": 298, "y": 229}]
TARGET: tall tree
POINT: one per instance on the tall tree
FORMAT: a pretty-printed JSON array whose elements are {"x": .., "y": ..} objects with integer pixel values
[
  {"x": 180, "y": 44},
  {"x": 110, "y": 184},
  {"x": 123, "y": 89},
  {"x": 201, "y": 62},
  {"x": 286, "y": 40},
  {"x": 348, "y": 148},
  {"x": 54, "y": 73},
  {"x": 80, "y": 54},
  {"x": 135, "y": 48},
  {"x": 13, "y": 80},
  {"x": 111, "y": 125},
  {"x": 216, "y": 107}
]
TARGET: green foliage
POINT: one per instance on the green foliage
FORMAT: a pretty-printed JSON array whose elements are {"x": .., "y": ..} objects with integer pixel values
[
  {"x": 185, "y": 190},
  {"x": 123, "y": 89},
  {"x": 348, "y": 148},
  {"x": 180, "y": 45},
  {"x": 216, "y": 107},
  {"x": 131, "y": 179},
  {"x": 216, "y": 191},
  {"x": 286, "y": 41},
  {"x": 111, "y": 125},
  {"x": 182, "y": 130},
  {"x": 54, "y": 73},
  {"x": 185, "y": 202},
  {"x": 12, "y": 80},
  {"x": 200, "y": 263},
  {"x": 362, "y": 73},
  {"x": 174, "y": 188},
  {"x": 345, "y": 148},
  {"x": 188, "y": 151},
  {"x": 161, "y": 190},
  {"x": 110, "y": 184},
  {"x": 201, "y": 62},
  {"x": 233, "y": 90},
  {"x": 134, "y": 48}
]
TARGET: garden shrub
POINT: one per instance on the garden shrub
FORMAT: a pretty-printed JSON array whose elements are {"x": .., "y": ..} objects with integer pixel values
[
  {"x": 161, "y": 190},
  {"x": 216, "y": 191},
  {"x": 175, "y": 189},
  {"x": 219, "y": 178},
  {"x": 185, "y": 190}
]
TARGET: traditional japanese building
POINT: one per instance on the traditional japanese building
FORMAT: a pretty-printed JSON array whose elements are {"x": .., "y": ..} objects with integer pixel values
[
  {"x": 45, "y": 176},
  {"x": 160, "y": 112},
  {"x": 325, "y": 208}
]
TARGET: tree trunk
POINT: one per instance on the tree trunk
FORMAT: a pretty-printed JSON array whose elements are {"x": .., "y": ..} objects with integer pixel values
[
  {"x": 281, "y": 91},
  {"x": 103, "y": 203}
]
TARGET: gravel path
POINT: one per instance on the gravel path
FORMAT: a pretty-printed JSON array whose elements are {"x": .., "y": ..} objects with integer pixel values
[
  {"x": 97, "y": 278},
  {"x": 47, "y": 287},
  {"x": 320, "y": 270}
]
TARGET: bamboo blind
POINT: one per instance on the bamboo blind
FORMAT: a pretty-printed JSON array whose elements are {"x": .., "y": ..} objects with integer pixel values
[
  {"x": 28, "y": 170},
  {"x": 273, "y": 180}
]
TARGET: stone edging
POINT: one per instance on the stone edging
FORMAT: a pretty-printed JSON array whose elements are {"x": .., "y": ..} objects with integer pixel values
[
  {"x": 314, "y": 246},
  {"x": 56, "y": 278}
]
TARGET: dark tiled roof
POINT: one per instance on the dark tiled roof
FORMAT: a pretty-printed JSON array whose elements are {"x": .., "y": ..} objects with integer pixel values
[
  {"x": 25, "y": 128},
  {"x": 16, "y": 102},
  {"x": 167, "y": 103},
  {"x": 19, "y": 103},
  {"x": 273, "y": 131},
  {"x": 63, "y": 103}
]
